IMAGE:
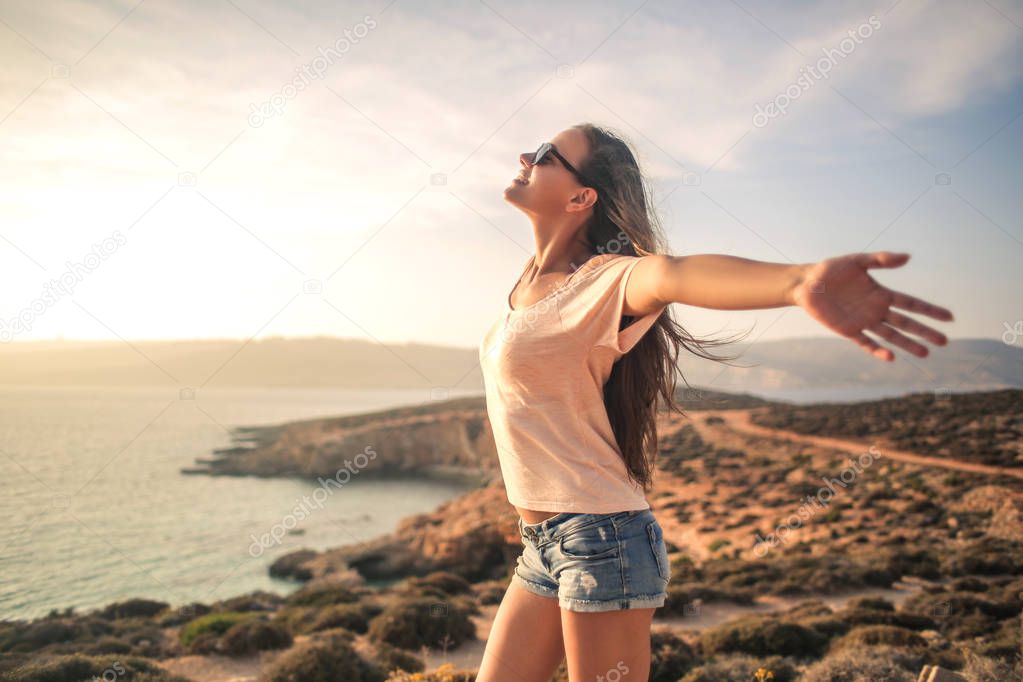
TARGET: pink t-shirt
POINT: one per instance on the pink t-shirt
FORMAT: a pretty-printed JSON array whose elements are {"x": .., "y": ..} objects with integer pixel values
[{"x": 544, "y": 368}]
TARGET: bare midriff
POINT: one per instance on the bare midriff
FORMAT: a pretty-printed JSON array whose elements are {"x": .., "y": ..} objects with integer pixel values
[{"x": 534, "y": 516}]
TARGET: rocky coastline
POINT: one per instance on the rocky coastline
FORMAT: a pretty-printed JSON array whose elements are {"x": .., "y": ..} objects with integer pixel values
[{"x": 448, "y": 440}]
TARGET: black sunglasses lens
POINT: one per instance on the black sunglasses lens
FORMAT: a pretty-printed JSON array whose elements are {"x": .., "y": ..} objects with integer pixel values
[{"x": 541, "y": 152}]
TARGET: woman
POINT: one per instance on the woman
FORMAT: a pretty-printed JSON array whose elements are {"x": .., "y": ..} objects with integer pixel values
[{"x": 573, "y": 372}]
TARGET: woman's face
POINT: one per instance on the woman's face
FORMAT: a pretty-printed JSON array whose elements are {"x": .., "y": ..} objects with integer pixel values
[{"x": 549, "y": 188}]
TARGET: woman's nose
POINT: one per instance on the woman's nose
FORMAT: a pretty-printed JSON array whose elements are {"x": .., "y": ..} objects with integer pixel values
[{"x": 526, "y": 159}]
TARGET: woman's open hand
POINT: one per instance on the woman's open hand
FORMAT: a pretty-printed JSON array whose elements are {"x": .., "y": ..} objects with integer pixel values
[{"x": 841, "y": 295}]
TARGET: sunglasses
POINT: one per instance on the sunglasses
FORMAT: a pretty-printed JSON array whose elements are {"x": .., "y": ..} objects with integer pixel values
[{"x": 547, "y": 147}]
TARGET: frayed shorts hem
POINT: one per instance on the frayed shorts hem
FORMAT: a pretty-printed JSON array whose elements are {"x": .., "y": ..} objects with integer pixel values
[
  {"x": 535, "y": 588},
  {"x": 590, "y": 605}
]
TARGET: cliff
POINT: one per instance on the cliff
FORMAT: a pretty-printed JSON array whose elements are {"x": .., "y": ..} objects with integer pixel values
[{"x": 452, "y": 438}]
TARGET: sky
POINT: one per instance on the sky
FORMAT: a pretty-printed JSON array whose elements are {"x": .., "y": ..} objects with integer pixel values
[{"x": 245, "y": 169}]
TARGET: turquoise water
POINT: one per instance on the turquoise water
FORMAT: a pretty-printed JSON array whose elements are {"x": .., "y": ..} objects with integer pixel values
[{"x": 96, "y": 510}]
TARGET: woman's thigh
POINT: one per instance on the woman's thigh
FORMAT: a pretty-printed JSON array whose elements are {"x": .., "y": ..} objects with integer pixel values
[
  {"x": 612, "y": 574},
  {"x": 607, "y": 645},
  {"x": 525, "y": 642}
]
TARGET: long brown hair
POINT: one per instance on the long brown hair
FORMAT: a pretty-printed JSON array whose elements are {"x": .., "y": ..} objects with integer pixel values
[{"x": 625, "y": 221}]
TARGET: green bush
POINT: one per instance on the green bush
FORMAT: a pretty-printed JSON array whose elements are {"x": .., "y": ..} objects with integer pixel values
[
  {"x": 108, "y": 645},
  {"x": 873, "y": 635},
  {"x": 323, "y": 596},
  {"x": 762, "y": 636},
  {"x": 250, "y": 636},
  {"x": 684, "y": 569},
  {"x": 912, "y": 621},
  {"x": 806, "y": 609},
  {"x": 830, "y": 625},
  {"x": 873, "y": 603},
  {"x": 984, "y": 669},
  {"x": 741, "y": 668},
  {"x": 391, "y": 658},
  {"x": 986, "y": 556},
  {"x": 328, "y": 659},
  {"x": 421, "y": 621},
  {"x": 445, "y": 581},
  {"x": 354, "y": 617},
  {"x": 36, "y": 635},
  {"x": 491, "y": 593},
  {"x": 78, "y": 667},
  {"x": 883, "y": 664},
  {"x": 957, "y": 605},
  {"x": 1002, "y": 641},
  {"x": 133, "y": 608},
  {"x": 216, "y": 623},
  {"x": 671, "y": 657},
  {"x": 297, "y": 619},
  {"x": 900, "y": 561}
]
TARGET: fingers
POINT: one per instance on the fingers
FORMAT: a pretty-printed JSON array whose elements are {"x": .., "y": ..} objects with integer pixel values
[
  {"x": 889, "y": 333},
  {"x": 868, "y": 344},
  {"x": 882, "y": 259},
  {"x": 900, "y": 321},
  {"x": 915, "y": 305},
  {"x": 902, "y": 341}
]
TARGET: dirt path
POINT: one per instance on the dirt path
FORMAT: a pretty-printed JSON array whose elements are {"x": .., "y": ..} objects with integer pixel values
[
  {"x": 739, "y": 420},
  {"x": 708, "y": 615},
  {"x": 215, "y": 668}
]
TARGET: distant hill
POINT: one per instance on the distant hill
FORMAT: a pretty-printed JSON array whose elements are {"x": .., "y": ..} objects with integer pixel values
[
  {"x": 962, "y": 365},
  {"x": 805, "y": 363}
]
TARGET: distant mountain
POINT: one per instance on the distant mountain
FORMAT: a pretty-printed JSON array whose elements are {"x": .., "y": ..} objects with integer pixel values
[
  {"x": 810, "y": 363},
  {"x": 804, "y": 363}
]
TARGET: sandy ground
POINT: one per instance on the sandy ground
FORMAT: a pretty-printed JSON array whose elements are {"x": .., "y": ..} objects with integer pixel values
[{"x": 215, "y": 668}]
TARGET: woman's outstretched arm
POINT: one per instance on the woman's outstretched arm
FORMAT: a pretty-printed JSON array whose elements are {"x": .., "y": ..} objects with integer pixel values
[
  {"x": 721, "y": 282},
  {"x": 837, "y": 292}
]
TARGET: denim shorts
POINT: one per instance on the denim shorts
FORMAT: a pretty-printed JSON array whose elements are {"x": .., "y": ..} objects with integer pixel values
[{"x": 595, "y": 562}]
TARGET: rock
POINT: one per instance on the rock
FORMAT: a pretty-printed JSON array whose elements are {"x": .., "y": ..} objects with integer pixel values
[
  {"x": 474, "y": 537},
  {"x": 451, "y": 438},
  {"x": 291, "y": 565}
]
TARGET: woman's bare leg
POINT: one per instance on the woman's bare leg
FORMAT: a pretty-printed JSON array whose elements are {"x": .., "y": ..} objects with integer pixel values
[
  {"x": 608, "y": 645},
  {"x": 525, "y": 642}
]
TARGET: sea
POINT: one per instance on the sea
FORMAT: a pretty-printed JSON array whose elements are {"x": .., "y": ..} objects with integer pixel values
[{"x": 95, "y": 508}]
